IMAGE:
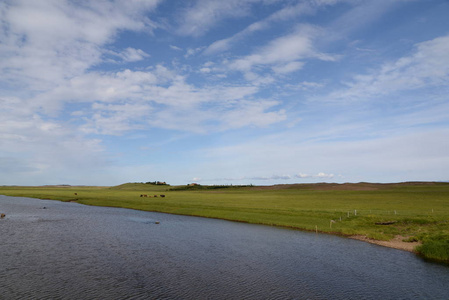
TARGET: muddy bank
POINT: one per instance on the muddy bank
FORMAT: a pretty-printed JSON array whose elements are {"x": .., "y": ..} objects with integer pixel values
[{"x": 396, "y": 243}]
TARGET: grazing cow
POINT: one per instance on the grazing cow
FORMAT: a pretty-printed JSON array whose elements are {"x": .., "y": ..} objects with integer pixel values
[
  {"x": 76, "y": 194},
  {"x": 141, "y": 195},
  {"x": 155, "y": 196},
  {"x": 162, "y": 196},
  {"x": 2, "y": 215}
]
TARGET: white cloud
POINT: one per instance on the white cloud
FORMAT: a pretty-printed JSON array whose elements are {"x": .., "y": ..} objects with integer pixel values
[
  {"x": 252, "y": 113},
  {"x": 324, "y": 175},
  {"x": 127, "y": 100},
  {"x": 221, "y": 45},
  {"x": 428, "y": 66},
  {"x": 284, "y": 49},
  {"x": 215, "y": 109},
  {"x": 132, "y": 55},
  {"x": 47, "y": 42},
  {"x": 205, "y": 70},
  {"x": 283, "y": 53},
  {"x": 302, "y": 175},
  {"x": 286, "y": 13},
  {"x": 175, "y": 48},
  {"x": 202, "y": 16},
  {"x": 192, "y": 51},
  {"x": 116, "y": 118},
  {"x": 275, "y": 178},
  {"x": 288, "y": 67},
  {"x": 361, "y": 15},
  {"x": 308, "y": 85},
  {"x": 320, "y": 175},
  {"x": 38, "y": 147},
  {"x": 46, "y": 49}
]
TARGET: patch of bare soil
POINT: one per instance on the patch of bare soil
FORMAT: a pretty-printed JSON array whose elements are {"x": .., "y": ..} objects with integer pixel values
[{"x": 395, "y": 243}]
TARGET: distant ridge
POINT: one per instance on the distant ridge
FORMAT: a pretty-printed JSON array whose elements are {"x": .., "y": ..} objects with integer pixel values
[
  {"x": 323, "y": 186},
  {"x": 360, "y": 186},
  {"x": 138, "y": 186}
]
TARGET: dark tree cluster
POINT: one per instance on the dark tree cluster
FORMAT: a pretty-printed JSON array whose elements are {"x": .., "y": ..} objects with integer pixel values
[{"x": 156, "y": 182}]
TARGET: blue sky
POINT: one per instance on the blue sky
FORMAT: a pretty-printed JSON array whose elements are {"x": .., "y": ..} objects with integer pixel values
[{"x": 223, "y": 92}]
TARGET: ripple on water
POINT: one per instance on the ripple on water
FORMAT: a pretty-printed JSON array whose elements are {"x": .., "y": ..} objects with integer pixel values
[{"x": 71, "y": 251}]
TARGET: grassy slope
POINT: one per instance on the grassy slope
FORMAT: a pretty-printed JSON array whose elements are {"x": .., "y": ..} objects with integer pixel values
[{"x": 421, "y": 211}]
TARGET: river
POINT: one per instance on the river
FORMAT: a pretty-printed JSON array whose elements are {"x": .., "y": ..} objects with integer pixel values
[{"x": 56, "y": 250}]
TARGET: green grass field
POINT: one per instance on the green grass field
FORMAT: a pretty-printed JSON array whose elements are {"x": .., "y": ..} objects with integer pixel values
[{"x": 417, "y": 211}]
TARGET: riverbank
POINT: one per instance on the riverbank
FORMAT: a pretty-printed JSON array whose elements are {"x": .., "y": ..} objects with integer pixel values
[
  {"x": 399, "y": 215},
  {"x": 396, "y": 243}
]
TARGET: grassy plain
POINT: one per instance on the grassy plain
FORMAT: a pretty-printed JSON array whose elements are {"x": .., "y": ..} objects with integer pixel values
[{"x": 415, "y": 211}]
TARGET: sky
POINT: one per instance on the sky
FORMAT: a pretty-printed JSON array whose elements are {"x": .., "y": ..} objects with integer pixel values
[{"x": 223, "y": 92}]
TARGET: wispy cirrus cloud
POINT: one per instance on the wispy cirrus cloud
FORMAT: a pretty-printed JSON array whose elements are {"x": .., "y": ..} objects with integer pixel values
[
  {"x": 133, "y": 55},
  {"x": 285, "y": 13},
  {"x": 427, "y": 66},
  {"x": 362, "y": 14},
  {"x": 205, "y": 14},
  {"x": 284, "y": 54}
]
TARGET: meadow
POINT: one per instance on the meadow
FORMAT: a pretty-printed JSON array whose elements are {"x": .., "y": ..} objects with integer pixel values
[{"x": 415, "y": 211}]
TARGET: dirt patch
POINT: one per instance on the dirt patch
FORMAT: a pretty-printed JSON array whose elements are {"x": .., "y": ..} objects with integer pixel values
[{"x": 396, "y": 242}]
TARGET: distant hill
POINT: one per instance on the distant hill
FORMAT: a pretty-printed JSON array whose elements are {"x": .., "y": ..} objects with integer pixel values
[
  {"x": 322, "y": 186},
  {"x": 361, "y": 186},
  {"x": 139, "y": 186}
]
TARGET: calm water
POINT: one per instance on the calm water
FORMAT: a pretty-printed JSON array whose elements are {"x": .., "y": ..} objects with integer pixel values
[{"x": 72, "y": 251}]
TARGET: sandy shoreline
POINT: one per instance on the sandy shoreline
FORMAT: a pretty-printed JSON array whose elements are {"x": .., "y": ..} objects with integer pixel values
[{"x": 395, "y": 243}]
